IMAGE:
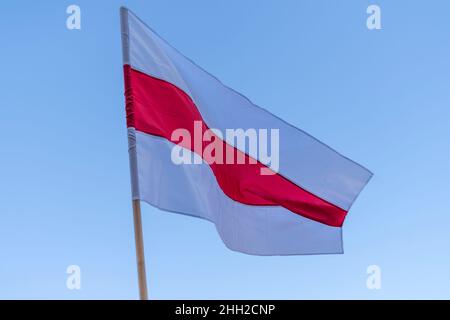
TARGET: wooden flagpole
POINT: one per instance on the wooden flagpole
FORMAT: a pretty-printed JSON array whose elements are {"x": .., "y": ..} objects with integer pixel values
[{"x": 138, "y": 237}]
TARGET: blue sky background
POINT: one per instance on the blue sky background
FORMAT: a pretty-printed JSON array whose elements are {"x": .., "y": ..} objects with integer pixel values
[{"x": 380, "y": 97}]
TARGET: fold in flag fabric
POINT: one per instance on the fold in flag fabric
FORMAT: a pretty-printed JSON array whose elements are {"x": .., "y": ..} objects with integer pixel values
[{"x": 296, "y": 207}]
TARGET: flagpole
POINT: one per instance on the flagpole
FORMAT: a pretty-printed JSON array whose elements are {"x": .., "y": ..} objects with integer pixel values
[
  {"x": 140, "y": 258},
  {"x": 138, "y": 236}
]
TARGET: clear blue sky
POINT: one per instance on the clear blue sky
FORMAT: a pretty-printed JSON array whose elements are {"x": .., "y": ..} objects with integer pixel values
[{"x": 380, "y": 97}]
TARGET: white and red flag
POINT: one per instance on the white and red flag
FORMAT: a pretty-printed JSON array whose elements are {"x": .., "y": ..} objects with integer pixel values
[{"x": 291, "y": 202}]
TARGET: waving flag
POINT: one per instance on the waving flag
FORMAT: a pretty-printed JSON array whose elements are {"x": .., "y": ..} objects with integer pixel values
[{"x": 295, "y": 207}]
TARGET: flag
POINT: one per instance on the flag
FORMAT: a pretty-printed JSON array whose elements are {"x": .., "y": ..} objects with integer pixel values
[{"x": 187, "y": 156}]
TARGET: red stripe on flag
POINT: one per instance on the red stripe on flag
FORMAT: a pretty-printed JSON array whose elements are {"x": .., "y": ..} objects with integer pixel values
[{"x": 157, "y": 107}]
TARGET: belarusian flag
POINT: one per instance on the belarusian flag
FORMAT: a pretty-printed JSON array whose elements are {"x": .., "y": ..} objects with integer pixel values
[{"x": 200, "y": 148}]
